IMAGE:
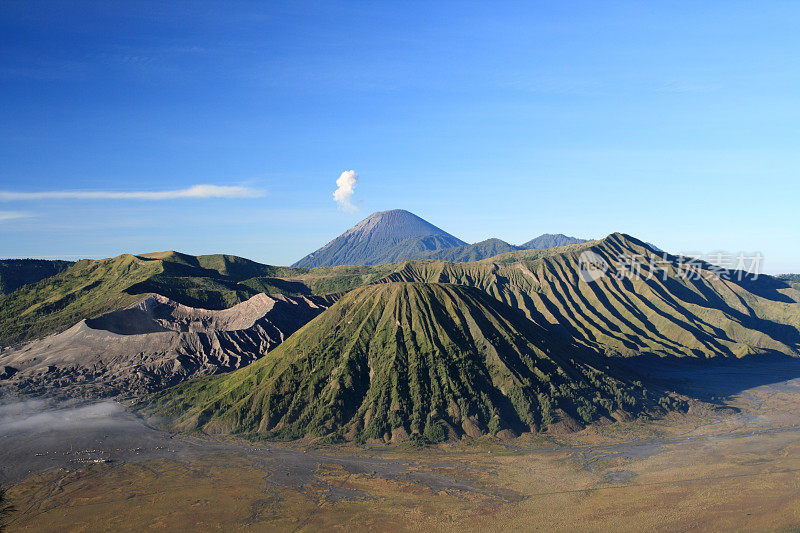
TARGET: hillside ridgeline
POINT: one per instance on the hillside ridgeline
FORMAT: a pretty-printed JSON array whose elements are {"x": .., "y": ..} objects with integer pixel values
[
  {"x": 90, "y": 288},
  {"x": 428, "y": 360},
  {"x": 671, "y": 308}
]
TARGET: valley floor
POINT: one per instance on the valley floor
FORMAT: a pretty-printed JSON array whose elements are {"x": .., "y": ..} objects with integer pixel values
[{"x": 95, "y": 467}]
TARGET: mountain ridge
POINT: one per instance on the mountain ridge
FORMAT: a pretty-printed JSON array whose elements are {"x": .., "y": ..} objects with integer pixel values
[
  {"x": 393, "y": 360},
  {"x": 90, "y": 287},
  {"x": 661, "y": 312},
  {"x": 550, "y": 240},
  {"x": 471, "y": 252},
  {"x": 627, "y": 315},
  {"x": 399, "y": 235}
]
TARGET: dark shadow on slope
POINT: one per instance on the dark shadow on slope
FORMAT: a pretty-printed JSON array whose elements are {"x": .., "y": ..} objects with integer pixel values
[
  {"x": 277, "y": 286},
  {"x": 619, "y": 290},
  {"x": 713, "y": 379},
  {"x": 762, "y": 285},
  {"x": 710, "y": 342},
  {"x": 780, "y": 332},
  {"x": 133, "y": 321}
]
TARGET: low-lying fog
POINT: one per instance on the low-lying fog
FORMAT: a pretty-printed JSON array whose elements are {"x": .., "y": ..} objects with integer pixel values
[
  {"x": 37, "y": 434},
  {"x": 41, "y": 415}
]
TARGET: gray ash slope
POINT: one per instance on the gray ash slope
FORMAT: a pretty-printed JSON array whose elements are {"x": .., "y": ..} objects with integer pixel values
[
  {"x": 383, "y": 237},
  {"x": 154, "y": 344}
]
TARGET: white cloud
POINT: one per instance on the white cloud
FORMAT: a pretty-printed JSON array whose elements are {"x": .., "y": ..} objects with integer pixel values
[
  {"x": 346, "y": 185},
  {"x": 195, "y": 191},
  {"x": 11, "y": 215}
]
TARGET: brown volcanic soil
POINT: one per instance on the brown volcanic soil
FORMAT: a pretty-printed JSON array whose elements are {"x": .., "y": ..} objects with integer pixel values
[
  {"x": 727, "y": 469},
  {"x": 155, "y": 343}
]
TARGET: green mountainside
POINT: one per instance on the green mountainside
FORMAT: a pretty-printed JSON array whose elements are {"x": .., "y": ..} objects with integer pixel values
[
  {"x": 491, "y": 248},
  {"x": 14, "y": 273},
  {"x": 85, "y": 289},
  {"x": 392, "y": 360},
  {"x": 659, "y": 312},
  {"x": 531, "y": 254},
  {"x": 89, "y": 288},
  {"x": 232, "y": 267}
]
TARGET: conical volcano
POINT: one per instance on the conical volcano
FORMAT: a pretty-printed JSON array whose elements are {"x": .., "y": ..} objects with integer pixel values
[
  {"x": 382, "y": 237},
  {"x": 392, "y": 360}
]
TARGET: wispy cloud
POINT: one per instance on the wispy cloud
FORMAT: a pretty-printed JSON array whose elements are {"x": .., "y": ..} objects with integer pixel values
[
  {"x": 12, "y": 215},
  {"x": 195, "y": 191},
  {"x": 345, "y": 188}
]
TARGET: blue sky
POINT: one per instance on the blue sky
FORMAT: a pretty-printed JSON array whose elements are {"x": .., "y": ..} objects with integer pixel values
[{"x": 676, "y": 122}]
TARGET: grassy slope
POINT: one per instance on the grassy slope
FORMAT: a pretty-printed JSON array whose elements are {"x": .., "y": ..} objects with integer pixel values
[
  {"x": 671, "y": 316},
  {"x": 85, "y": 289},
  {"x": 14, "y": 273},
  {"x": 89, "y": 288},
  {"x": 415, "y": 356}
]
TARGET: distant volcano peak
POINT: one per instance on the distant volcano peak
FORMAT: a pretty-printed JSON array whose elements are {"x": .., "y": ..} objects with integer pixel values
[{"x": 382, "y": 237}]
